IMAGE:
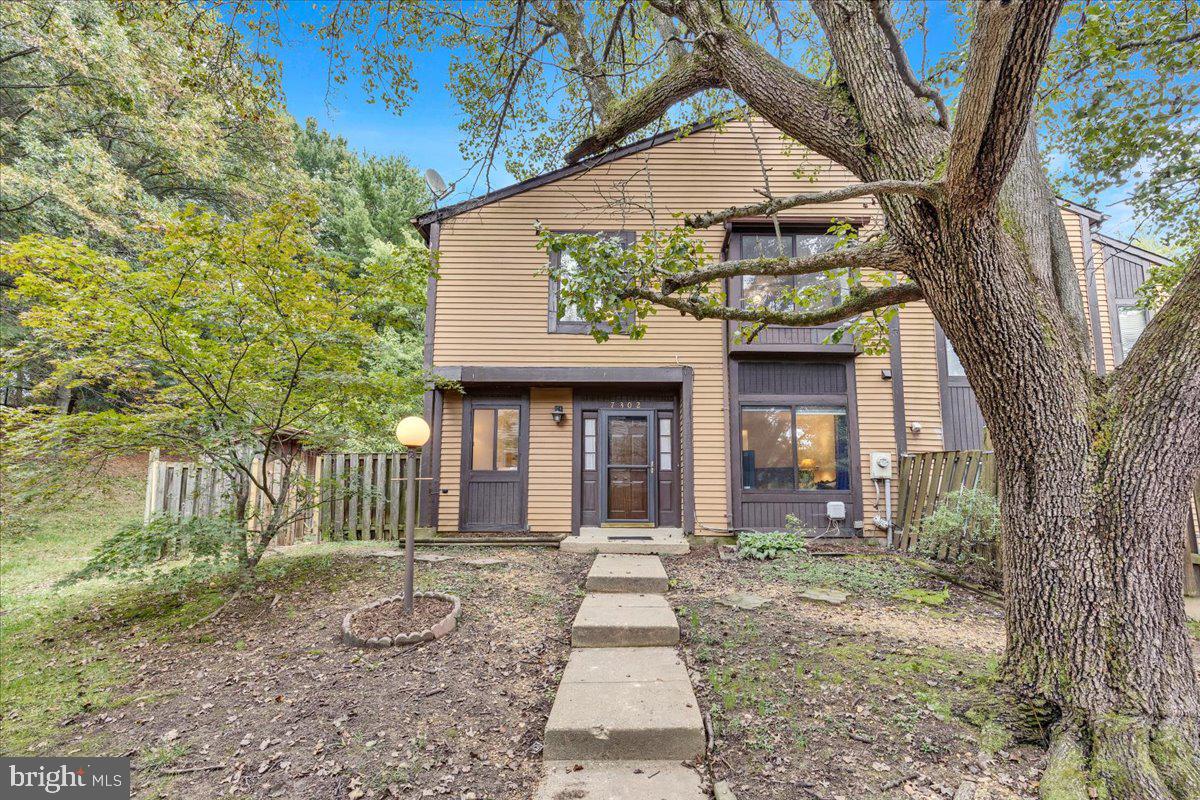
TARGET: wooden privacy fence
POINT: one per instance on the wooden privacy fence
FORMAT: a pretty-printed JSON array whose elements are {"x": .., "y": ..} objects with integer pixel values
[
  {"x": 927, "y": 478},
  {"x": 190, "y": 489},
  {"x": 363, "y": 495}
]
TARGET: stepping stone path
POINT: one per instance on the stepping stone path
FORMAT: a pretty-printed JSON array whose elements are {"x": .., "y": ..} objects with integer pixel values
[{"x": 625, "y": 715}]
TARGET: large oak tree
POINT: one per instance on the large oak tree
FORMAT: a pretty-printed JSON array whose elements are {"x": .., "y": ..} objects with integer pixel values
[{"x": 1093, "y": 471}]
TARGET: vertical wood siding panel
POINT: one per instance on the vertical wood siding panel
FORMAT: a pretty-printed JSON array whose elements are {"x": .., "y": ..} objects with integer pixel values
[
  {"x": 452, "y": 409},
  {"x": 549, "y": 461}
]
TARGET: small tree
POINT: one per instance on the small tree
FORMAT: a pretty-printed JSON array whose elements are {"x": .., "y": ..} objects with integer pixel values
[{"x": 221, "y": 342}]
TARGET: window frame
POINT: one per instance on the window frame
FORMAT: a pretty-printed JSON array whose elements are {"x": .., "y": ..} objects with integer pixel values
[
  {"x": 574, "y": 327},
  {"x": 815, "y": 402},
  {"x": 1122, "y": 307},
  {"x": 495, "y": 407},
  {"x": 791, "y": 232}
]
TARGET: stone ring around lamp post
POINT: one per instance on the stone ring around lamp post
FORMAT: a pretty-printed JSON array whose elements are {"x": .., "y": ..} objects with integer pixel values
[{"x": 436, "y": 631}]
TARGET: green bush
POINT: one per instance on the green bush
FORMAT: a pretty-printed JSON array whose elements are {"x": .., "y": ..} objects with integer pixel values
[
  {"x": 964, "y": 523},
  {"x": 771, "y": 544},
  {"x": 200, "y": 546}
]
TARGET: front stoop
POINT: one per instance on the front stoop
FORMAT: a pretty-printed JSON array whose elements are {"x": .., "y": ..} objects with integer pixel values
[
  {"x": 625, "y": 620},
  {"x": 643, "y": 541},
  {"x": 620, "y": 780},
  {"x": 627, "y": 573},
  {"x": 617, "y": 704}
]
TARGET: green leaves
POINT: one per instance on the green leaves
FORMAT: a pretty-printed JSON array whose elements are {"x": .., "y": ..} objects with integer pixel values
[{"x": 211, "y": 343}]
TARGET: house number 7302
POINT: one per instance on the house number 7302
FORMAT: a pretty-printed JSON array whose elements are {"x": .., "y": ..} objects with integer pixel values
[{"x": 625, "y": 404}]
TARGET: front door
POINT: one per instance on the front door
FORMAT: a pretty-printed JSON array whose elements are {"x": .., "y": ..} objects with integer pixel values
[
  {"x": 494, "y": 467},
  {"x": 628, "y": 479}
]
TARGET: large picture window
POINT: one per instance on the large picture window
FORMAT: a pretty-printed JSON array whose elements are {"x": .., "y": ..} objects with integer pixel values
[
  {"x": 795, "y": 448},
  {"x": 496, "y": 440},
  {"x": 769, "y": 290}
]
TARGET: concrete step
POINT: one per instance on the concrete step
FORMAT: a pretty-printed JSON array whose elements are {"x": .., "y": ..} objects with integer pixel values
[
  {"x": 620, "y": 780},
  {"x": 625, "y": 620},
  {"x": 617, "y": 703},
  {"x": 641, "y": 541},
  {"x": 627, "y": 573}
]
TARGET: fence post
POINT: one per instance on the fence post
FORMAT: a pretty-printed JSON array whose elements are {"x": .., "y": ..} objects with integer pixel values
[{"x": 151, "y": 484}]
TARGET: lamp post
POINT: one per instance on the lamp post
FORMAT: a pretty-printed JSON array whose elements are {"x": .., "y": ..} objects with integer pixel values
[{"x": 413, "y": 433}]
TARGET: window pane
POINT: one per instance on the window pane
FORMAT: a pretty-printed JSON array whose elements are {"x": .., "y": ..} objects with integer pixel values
[
  {"x": 954, "y": 367},
  {"x": 822, "y": 448},
  {"x": 767, "y": 454},
  {"x": 508, "y": 439},
  {"x": 766, "y": 246},
  {"x": 807, "y": 245},
  {"x": 664, "y": 444},
  {"x": 1132, "y": 322},
  {"x": 766, "y": 291},
  {"x": 589, "y": 444},
  {"x": 482, "y": 439},
  {"x": 568, "y": 312}
]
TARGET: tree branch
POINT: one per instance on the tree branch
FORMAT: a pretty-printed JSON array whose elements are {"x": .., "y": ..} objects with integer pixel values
[
  {"x": 883, "y": 18},
  {"x": 684, "y": 78},
  {"x": 881, "y": 255},
  {"x": 1008, "y": 50},
  {"x": 926, "y": 191},
  {"x": 858, "y": 302},
  {"x": 566, "y": 19}
]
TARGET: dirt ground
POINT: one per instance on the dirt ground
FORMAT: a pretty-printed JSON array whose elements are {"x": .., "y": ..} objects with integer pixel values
[
  {"x": 886, "y": 695},
  {"x": 845, "y": 702},
  {"x": 266, "y": 702}
]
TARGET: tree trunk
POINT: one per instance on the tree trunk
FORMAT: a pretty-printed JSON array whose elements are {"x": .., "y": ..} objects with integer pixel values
[{"x": 1098, "y": 654}]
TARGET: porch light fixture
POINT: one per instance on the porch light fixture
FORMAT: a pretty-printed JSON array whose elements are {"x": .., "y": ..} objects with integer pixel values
[
  {"x": 413, "y": 433},
  {"x": 558, "y": 415}
]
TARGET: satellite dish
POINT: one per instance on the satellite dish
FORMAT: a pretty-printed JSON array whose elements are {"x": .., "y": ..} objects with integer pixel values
[{"x": 437, "y": 186}]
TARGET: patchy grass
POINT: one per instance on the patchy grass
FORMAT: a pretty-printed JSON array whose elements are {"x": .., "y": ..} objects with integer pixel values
[
  {"x": 889, "y": 695},
  {"x": 865, "y": 575}
]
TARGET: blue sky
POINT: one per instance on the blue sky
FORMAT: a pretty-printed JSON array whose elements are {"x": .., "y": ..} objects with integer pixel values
[{"x": 427, "y": 132}]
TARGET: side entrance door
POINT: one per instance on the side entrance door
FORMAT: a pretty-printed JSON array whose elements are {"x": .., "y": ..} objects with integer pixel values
[
  {"x": 495, "y": 466},
  {"x": 628, "y": 476}
]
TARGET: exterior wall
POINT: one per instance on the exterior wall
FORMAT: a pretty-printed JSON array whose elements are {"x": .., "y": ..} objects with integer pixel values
[
  {"x": 492, "y": 305},
  {"x": 549, "y": 461},
  {"x": 451, "y": 455},
  {"x": 922, "y": 396}
]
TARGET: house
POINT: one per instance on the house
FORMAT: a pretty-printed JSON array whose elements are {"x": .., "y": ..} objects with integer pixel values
[{"x": 690, "y": 427}]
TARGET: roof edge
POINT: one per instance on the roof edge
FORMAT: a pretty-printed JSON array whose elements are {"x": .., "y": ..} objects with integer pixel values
[
  {"x": 1129, "y": 247},
  {"x": 423, "y": 221}
]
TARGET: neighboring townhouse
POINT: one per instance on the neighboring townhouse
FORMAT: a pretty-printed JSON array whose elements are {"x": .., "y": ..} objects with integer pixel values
[{"x": 689, "y": 427}]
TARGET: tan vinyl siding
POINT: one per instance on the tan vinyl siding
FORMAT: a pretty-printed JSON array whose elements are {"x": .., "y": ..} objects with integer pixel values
[
  {"x": 1106, "y": 329},
  {"x": 922, "y": 394},
  {"x": 451, "y": 455},
  {"x": 492, "y": 301},
  {"x": 491, "y": 309},
  {"x": 549, "y": 461},
  {"x": 876, "y": 432}
]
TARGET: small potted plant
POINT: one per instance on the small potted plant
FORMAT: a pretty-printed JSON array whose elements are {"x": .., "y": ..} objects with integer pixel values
[{"x": 412, "y": 616}]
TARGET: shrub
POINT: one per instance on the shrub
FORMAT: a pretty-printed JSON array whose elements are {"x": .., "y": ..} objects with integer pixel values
[
  {"x": 771, "y": 544},
  {"x": 964, "y": 523},
  {"x": 206, "y": 545}
]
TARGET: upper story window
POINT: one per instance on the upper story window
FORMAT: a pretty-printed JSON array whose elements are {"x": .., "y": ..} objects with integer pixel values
[
  {"x": 1132, "y": 321},
  {"x": 564, "y": 317},
  {"x": 770, "y": 291}
]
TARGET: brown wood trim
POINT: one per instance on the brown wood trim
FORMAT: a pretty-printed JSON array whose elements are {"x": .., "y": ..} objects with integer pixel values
[
  {"x": 576, "y": 462},
  {"x": 896, "y": 354},
  {"x": 1089, "y": 271},
  {"x": 849, "y": 399},
  {"x": 687, "y": 472},
  {"x": 432, "y": 402},
  {"x": 564, "y": 376},
  {"x": 520, "y": 399}
]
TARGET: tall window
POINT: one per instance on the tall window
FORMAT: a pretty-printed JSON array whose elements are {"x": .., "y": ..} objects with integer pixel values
[
  {"x": 769, "y": 290},
  {"x": 792, "y": 448},
  {"x": 496, "y": 439},
  {"x": 954, "y": 367}
]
